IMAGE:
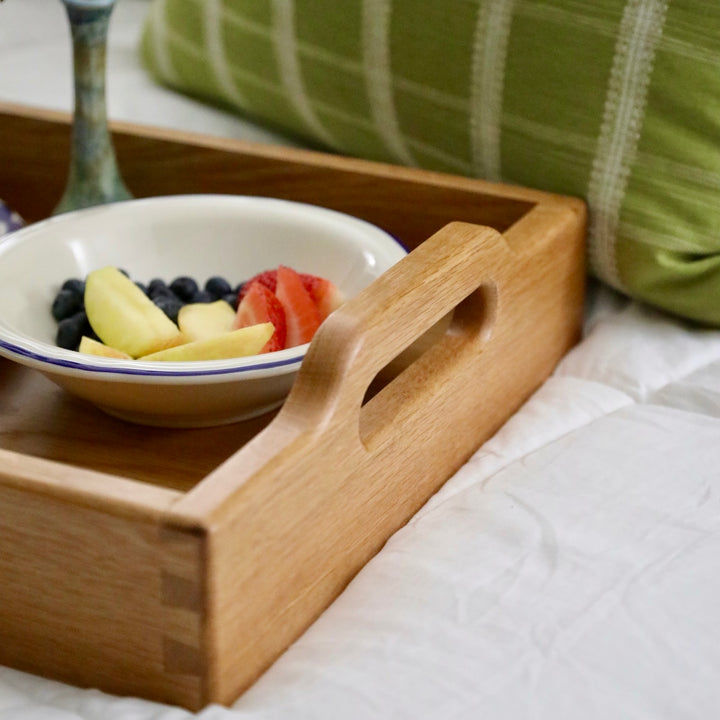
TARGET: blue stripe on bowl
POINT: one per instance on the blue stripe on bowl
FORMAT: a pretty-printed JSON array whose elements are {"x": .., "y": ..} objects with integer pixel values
[{"x": 57, "y": 362}]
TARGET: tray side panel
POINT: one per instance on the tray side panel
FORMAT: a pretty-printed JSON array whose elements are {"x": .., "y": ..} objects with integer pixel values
[
  {"x": 98, "y": 599},
  {"x": 293, "y": 535},
  {"x": 411, "y": 204}
]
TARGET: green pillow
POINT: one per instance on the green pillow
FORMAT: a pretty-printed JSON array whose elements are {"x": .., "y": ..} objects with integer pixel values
[{"x": 617, "y": 102}]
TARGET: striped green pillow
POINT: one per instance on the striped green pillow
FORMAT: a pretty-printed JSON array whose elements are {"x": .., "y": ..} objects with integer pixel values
[{"x": 616, "y": 101}]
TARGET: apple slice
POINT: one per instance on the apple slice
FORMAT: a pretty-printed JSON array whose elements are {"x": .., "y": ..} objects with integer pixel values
[
  {"x": 124, "y": 318},
  {"x": 200, "y": 321},
  {"x": 237, "y": 343},
  {"x": 89, "y": 346}
]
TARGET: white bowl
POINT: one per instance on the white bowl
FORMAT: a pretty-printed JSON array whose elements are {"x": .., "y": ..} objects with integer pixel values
[{"x": 196, "y": 235}]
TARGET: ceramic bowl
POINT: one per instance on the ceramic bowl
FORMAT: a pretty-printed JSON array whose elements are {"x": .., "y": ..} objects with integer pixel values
[{"x": 196, "y": 235}]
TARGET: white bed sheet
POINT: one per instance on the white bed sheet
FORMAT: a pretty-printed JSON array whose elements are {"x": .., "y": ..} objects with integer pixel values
[{"x": 568, "y": 570}]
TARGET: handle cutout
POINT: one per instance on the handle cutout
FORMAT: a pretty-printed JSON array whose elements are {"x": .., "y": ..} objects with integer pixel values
[{"x": 469, "y": 324}]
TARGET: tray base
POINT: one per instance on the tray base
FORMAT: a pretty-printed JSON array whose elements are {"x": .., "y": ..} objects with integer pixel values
[{"x": 39, "y": 419}]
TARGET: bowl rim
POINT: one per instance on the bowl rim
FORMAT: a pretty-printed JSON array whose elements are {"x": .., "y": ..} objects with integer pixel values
[
  {"x": 138, "y": 370},
  {"x": 52, "y": 359}
]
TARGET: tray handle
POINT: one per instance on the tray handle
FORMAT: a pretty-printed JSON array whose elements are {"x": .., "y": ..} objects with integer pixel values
[
  {"x": 290, "y": 518},
  {"x": 455, "y": 269}
]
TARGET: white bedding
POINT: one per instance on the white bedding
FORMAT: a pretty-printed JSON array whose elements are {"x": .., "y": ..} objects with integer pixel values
[{"x": 569, "y": 570}]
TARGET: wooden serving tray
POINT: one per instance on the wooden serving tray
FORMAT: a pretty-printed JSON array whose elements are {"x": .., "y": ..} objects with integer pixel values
[{"x": 177, "y": 565}]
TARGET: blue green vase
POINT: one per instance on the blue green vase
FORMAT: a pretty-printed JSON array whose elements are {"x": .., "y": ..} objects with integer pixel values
[{"x": 93, "y": 177}]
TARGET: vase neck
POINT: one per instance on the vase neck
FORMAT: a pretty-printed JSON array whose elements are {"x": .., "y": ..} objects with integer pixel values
[
  {"x": 94, "y": 176},
  {"x": 89, "y": 30}
]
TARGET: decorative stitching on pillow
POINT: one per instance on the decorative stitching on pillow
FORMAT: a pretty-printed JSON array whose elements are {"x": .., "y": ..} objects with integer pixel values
[
  {"x": 286, "y": 52},
  {"x": 213, "y": 17},
  {"x": 640, "y": 32},
  {"x": 377, "y": 63},
  {"x": 487, "y": 81},
  {"x": 161, "y": 50}
]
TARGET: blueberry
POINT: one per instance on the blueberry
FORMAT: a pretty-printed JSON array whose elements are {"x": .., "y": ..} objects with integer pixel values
[
  {"x": 169, "y": 304},
  {"x": 202, "y": 296},
  {"x": 232, "y": 299},
  {"x": 158, "y": 291},
  {"x": 65, "y": 304},
  {"x": 166, "y": 293},
  {"x": 218, "y": 286},
  {"x": 142, "y": 287},
  {"x": 184, "y": 287},
  {"x": 74, "y": 285},
  {"x": 71, "y": 329},
  {"x": 155, "y": 285}
]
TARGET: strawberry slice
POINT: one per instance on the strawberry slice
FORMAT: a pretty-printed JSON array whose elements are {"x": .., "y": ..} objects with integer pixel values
[
  {"x": 268, "y": 278},
  {"x": 325, "y": 293},
  {"x": 259, "y": 305},
  {"x": 301, "y": 313}
]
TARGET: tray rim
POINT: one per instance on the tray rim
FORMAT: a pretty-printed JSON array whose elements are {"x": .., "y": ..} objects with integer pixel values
[{"x": 305, "y": 156}]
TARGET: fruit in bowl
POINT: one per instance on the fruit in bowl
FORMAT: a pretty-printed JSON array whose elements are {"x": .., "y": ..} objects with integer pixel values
[
  {"x": 129, "y": 320},
  {"x": 184, "y": 237}
]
